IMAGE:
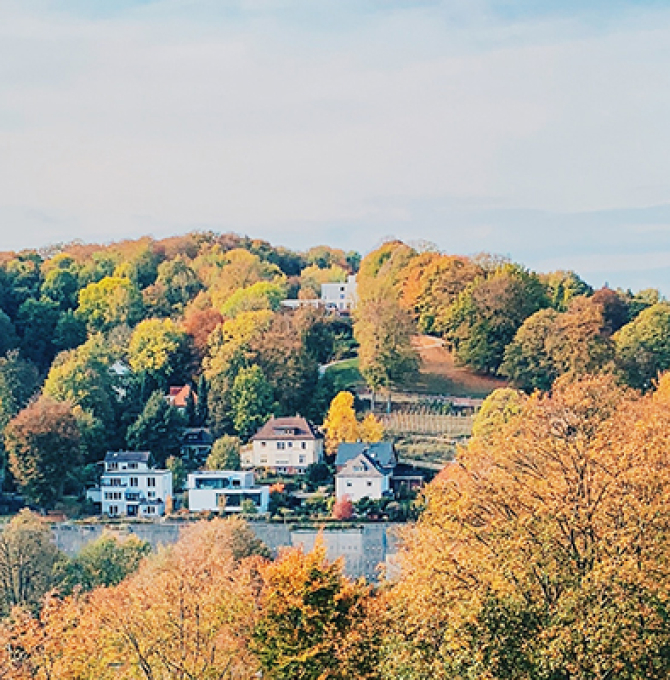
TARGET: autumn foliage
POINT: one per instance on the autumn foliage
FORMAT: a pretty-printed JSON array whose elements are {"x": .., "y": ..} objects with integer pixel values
[{"x": 543, "y": 553}]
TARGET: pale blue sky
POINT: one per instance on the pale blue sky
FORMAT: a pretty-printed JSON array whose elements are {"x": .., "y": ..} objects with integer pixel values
[{"x": 535, "y": 129}]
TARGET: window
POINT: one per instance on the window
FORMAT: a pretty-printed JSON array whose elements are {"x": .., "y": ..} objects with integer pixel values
[
  {"x": 369, "y": 483},
  {"x": 281, "y": 445},
  {"x": 211, "y": 483},
  {"x": 263, "y": 443},
  {"x": 112, "y": 466},
  {"x": 301, "y": 459},
  {"x": 348, "y": 483},
  {"x": 151, "y": 494},
  {"x": 115, "y": 481},
  {"x": 290, "y": 445},
  {"x": 151, "y": 481},
  {"x": 150, "y": 510},
  {"x": 304, "y": 445},
  {"x": 107, "y": 495},
  {"x": 133, "y": 481},
  {"x": 132, "y": 466},
  {"x": 113, "y": 509}
]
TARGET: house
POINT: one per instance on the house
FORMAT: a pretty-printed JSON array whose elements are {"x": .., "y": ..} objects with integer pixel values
[
  {"x": 285, "y": 445},
  {"x": 382, "y": 453},
  {"x": 340, "y": 296},
  {"x": 130, "y": 487},
  {"x": 196, "y": 444},
  {"x": 364, "y": 469},
  {"x": 213, "y": 489},
  {"x": 179, "y": 396}
]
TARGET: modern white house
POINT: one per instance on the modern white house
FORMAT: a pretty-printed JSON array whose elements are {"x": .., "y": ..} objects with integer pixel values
[
  {"x": 340, "y": 296},
  {"x": 130, "y": 487},
  {"x": 364, "y": 470},
  {"x": 216, "y": 489},
  {"x": 285, "y": 445}
]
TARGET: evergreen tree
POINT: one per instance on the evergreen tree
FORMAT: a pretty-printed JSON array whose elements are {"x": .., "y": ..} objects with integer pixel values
[
  {"x": 158, "y": 429},
  {"x": 201, "y": 407}
]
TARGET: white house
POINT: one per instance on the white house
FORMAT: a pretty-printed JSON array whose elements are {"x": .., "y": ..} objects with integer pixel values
[
  {"x": 341, "y": 296},
  {"x": 364, "y": 470},
  {"x": 285, "y": 445},
  {"x": 361, "y": 477},
  {"x": 130, "y": 487},
  {"x": 206, "y": 489}
]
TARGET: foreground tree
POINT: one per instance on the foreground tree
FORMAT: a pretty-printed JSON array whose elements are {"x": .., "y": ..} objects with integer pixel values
[
  {"x": 43, "y": 443},
  {"x": 27, "y": 559},
  {"x": 543, "y": 553},
  {"x": 103, "y": 562},
  {"x": 312, "y": 621}
]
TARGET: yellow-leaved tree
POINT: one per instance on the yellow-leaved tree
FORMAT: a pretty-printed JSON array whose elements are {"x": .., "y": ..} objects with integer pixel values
[{"x": 341, "y": 424}]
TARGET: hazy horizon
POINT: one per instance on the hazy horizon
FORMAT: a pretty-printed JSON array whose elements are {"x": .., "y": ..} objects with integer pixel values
[{"x": 533, "y": 130}]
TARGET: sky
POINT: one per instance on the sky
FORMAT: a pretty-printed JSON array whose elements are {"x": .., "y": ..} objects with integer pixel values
[{"x": 535, "y": 129}]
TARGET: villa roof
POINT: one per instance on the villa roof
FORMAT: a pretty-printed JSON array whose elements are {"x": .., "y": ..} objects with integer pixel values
[
  {"x": 292, "y": 428},
  {"x": 382, "y": 453}
]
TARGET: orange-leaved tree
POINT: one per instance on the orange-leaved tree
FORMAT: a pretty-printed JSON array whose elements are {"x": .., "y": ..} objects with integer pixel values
[
  {"x": 544, "y": 552},
  {"x": 313, "y": 622}
]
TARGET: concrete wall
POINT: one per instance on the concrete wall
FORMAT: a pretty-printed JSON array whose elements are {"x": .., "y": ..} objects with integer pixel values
[{"x": 363, "y": 548}]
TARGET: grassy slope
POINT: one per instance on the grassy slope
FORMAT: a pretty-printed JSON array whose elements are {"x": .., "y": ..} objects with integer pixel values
[{"x": 439, "y": 374}]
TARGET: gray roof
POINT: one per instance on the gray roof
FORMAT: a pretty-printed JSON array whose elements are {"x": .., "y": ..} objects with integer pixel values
[
  {"x": 127, "y": 457},
  {"x": 362, "y": 465},
  {"x": 381, "y": 453},
  {"x": 292, "y": 428}
]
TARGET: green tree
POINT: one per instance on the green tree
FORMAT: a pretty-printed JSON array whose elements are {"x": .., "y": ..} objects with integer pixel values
[
  {"x": 8, "y": 338},
  {"x": 112, "y": 301},
  {"x": 497, "y": 409},
  {"x": 27, "y": 559},
  {"x": 251, "y": 400},
  {"x": 643, "y": 346},
  {"x": 43, "y": 443},
  {"x": 158, "y": 347},
  {"x": 225, "y": 454},
  {"x": 259, "y": 296},
  {"x": 82, "y": 377},
  {"x": 158, "y": 429},
  {"x": 36, "y": 322},
  {"x": 487, "y": 314},
  {"x": 176, "y": 466},
  {"x": 201, "y": 405},
  {"x": 103, "y": 562}
]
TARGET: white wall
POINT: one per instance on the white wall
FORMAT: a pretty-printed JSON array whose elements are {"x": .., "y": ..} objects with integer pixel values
[{"x": 360, "y": 487}]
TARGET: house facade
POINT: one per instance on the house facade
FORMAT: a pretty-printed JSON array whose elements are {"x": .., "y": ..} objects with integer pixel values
[
  {"x": 360, "y": 477},
  {"x": 196, "y": 444},
  {"x": 217, "y": 490},
  {"x": 130, "y": 487},
  {"x": 365, "y": 469},
  {"x": 285, "y": 446},
  {"x": 340, "y": 296}
]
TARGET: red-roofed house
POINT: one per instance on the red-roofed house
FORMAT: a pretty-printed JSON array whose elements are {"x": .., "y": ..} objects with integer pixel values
[{"x": 179, "y": 396}]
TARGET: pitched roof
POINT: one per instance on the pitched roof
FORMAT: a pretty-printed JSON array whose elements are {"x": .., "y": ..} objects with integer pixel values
[
  {"x": 362, "y": 465},
  {"x": 197, "y": 435},
  {"x": 295, "y": 427},
  {"x": 382, "y": 453},
  {"x": 178, "y": 396},
  {"x": 127, "y": 457}
]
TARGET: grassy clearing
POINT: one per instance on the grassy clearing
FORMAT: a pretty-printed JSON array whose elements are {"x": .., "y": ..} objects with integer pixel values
[
  {"x": 424, "y": 449},
  {"x": 345, "y": 374}
]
